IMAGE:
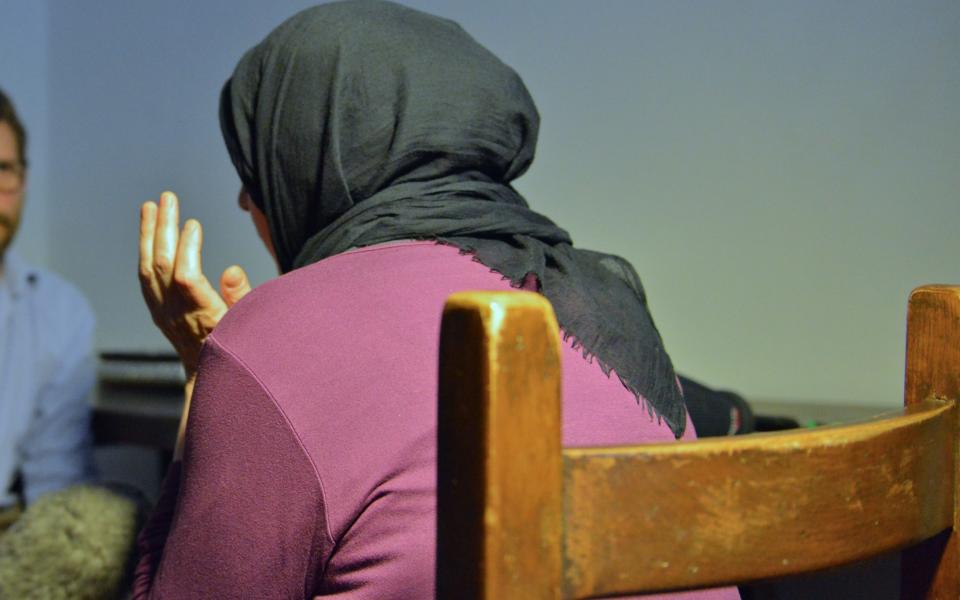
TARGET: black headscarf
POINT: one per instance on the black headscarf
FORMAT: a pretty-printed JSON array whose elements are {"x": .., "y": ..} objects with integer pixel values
[{"x": 361, "y": 122}]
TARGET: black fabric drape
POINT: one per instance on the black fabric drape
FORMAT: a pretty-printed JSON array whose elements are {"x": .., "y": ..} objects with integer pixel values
[{"x": 361, "y": 122}]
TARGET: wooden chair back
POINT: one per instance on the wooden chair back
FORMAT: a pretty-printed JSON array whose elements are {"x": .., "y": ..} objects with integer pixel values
[{"x": 521, "y": 517}]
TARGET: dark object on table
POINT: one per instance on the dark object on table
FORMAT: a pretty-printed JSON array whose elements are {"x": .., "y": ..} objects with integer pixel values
[
  {"x": 139, "y": 399},
  {"x": 716, "y": 413},
  {"x": 141, "y": 369},
  {"x": 774, "y": 423}
]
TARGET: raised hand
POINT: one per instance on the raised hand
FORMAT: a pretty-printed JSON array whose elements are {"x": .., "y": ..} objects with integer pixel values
[{"x": 182, "y": 302}]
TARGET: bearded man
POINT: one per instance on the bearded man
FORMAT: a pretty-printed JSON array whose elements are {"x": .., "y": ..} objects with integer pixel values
[{"x": 46, "y": 355}]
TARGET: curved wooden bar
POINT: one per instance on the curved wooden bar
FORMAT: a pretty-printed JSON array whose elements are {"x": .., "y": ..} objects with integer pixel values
[{"x": 672, "y": 516}]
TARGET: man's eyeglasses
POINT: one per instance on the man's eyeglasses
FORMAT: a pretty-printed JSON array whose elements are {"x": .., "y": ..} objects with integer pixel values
[{"x": 11, "y": 175}]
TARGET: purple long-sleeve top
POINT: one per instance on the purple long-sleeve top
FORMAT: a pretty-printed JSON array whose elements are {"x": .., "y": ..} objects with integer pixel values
[{"x": 309, "y": 467}]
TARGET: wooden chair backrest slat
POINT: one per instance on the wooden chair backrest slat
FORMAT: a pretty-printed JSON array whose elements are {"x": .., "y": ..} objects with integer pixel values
[
  {"x": 719, "y": 511},
  {"x": 520, "y": 517},
  {"x": 498, "y": 465},
  {"x": 932, "y": 570}
]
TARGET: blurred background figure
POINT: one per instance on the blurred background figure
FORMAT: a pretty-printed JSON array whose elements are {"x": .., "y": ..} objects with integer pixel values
[{"x": 46, "y": 355}]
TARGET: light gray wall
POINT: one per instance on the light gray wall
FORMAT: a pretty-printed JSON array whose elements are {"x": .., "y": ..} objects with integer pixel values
[
  {"x": 24, "y": 76},
  {"x": 134, "y": 89},
  {"x": 780, "y": 173}
]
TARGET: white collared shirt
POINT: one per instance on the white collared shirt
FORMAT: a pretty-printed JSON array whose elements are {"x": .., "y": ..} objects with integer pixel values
[{"x": 46, "y": 375}]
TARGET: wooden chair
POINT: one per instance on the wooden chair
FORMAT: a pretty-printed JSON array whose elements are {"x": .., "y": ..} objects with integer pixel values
[{"x": 519, "y": 517}]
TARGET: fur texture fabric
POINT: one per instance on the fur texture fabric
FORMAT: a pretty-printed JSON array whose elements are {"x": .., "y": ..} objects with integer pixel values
[{"x": 77, "y": 543}]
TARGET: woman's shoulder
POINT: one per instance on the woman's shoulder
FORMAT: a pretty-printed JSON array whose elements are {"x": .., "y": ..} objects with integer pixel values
[{"x": 349, "y": 292}]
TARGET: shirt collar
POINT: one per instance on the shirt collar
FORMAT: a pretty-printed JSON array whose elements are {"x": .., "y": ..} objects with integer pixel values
[{"x": 17, "y": 275}]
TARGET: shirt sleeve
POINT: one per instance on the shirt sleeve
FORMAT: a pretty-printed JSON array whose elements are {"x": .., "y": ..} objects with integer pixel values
[
  {"x": 57, "y": 449},
  {"x": 242, "y": 516}
]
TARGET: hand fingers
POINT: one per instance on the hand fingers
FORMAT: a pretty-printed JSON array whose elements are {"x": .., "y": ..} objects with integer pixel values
[
  {"x": 234, "y": 285},
  {"x": 166, "y": 238},
  {"x": 188, "y": 269},
  {"x": 148, "y": 225}
]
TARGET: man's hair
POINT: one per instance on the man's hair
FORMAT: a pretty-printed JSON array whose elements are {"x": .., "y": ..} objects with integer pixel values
[{"x": 8, "y": 115}]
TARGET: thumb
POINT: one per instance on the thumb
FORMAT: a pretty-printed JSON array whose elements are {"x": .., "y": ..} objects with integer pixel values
[{"x": 234, "y": 285}]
